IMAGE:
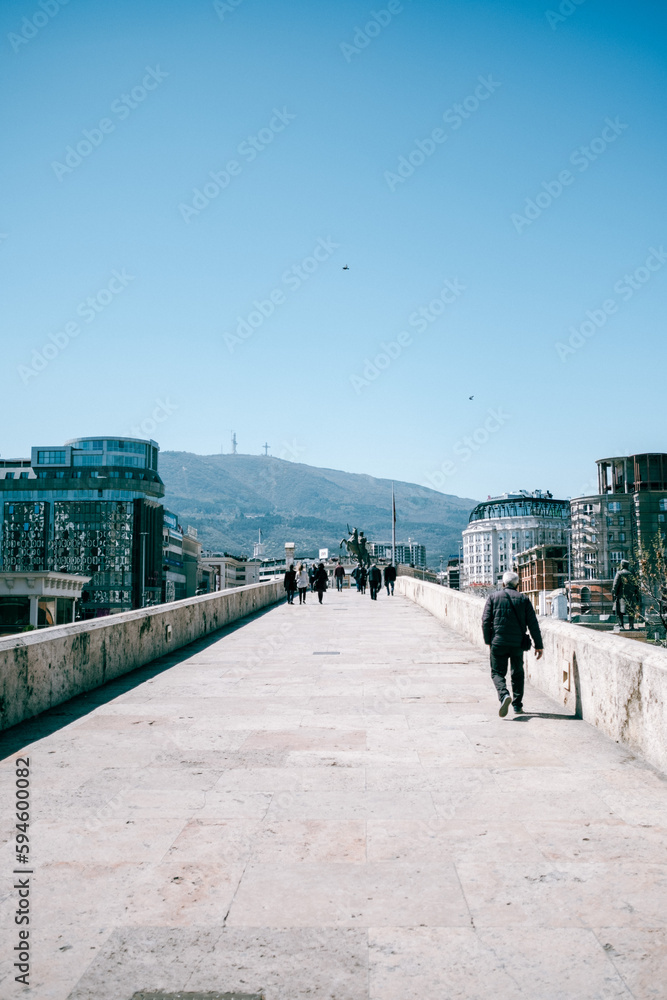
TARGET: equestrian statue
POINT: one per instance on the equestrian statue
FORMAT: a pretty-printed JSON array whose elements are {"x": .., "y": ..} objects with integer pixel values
[{"x": 356, "y": 547}]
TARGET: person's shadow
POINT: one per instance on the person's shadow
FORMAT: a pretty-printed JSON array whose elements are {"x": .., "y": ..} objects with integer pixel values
[
  {"x": 527, "y": 716},
  {"x": 578, "y": 714}
]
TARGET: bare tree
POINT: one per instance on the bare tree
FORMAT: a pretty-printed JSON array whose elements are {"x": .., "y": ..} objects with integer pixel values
[{"x": 652, "y": 577}]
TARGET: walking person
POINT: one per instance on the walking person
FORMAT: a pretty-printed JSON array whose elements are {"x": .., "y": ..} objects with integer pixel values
[
  {"x": 339, "y": 573},
  {"x": 289, "y": 583},
  {"x": 302, "y": 583},
  {"x": 311, "y": 576},
  {"x": 389, "y": 578},
  {"x": 321, "y": 581},
  {"x": 356, "y": 576},
  {"x": 363, "y": 577},
  {"x": 506, "y": 616},
  {"x": 374, "y": 581}
]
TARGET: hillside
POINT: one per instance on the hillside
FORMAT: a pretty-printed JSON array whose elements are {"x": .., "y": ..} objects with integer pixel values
[{"x": 229, "y": 497}]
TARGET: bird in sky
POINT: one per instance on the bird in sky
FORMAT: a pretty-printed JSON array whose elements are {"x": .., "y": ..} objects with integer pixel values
[
  {"x": 346, "y": 268},
  {"x": 471, "y": 397}
]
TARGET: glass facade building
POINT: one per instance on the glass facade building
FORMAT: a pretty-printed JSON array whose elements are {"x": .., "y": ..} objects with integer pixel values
[{"x": 88, "y": 507}]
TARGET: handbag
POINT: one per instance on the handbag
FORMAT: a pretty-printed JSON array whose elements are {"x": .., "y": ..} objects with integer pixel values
[{"x": 526, "y": 643}]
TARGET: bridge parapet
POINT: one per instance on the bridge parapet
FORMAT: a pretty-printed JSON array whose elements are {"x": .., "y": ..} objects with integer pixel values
[
  {"x": 41, "y": 669},
  {"x": 613, "y": 683}
]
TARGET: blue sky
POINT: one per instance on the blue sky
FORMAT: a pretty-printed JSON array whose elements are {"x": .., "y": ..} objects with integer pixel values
[{"x": 563, "y": 110}]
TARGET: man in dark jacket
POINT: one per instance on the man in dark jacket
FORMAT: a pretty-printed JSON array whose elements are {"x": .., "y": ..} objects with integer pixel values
[
  {"x": 339, "y": 573},
  {"x": 289, "y": 583},
  {"x": 321, "y": 581},
  {"x": 506, "y": 616},
  {"x": 374, "y": 581},
  {"x": 389, "y": 578}
]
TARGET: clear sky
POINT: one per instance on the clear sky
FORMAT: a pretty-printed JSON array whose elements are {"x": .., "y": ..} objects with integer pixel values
[{"x": 498, "y": 165}]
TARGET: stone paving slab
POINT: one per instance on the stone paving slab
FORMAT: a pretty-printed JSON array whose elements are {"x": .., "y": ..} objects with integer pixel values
[{"x": 246, "y": 817}]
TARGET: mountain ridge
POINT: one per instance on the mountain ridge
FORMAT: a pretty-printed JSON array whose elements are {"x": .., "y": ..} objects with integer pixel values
[{"x": 229, "y": 497}]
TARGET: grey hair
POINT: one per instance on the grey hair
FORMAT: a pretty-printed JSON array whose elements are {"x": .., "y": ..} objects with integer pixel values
[{"x": 510, "y": 579}]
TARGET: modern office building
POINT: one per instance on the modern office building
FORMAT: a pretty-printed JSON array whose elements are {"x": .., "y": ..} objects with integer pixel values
[
  {"x": 88, "y": 507},
  {"x": 628, "y": 512},
  {"x": 410, "y": 553},
  {"x": 452, "y": 575},
  {"x": 199, "y": 579},
  {"x": 173, "y": 570},
  {"x": 236, "y": 571},
  {"x": 501, "y": 527}
]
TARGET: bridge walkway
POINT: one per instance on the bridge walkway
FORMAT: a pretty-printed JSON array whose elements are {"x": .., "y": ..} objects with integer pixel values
[{"x": 323, "y": 803}]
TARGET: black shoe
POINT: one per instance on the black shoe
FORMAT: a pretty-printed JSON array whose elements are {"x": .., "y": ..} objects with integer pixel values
[
  {"x": 518, "y": 709},
  {"x": 504, "y": 706}
]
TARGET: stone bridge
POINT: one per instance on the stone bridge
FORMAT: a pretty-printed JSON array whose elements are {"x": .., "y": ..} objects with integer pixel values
[{"x": 321, "y": 802}]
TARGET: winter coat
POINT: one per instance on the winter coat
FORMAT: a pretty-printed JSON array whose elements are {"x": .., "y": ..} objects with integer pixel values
[
  {"x": 321, "y": 579},
  {"x": 375, "y": 576},
  {"x": 339, "y": 571},
  {"x": 499, "y": 622},
  {"x": 389, "y": 574},
  {"x": 289, "y": 580}
]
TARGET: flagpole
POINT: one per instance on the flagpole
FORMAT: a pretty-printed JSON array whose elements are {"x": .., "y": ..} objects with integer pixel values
[{"x": 393, "y": 527}]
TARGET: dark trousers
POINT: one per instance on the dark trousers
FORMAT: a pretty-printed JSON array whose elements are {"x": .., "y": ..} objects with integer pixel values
[
  {"x": 388, "y": 584},
  {"x": 290, "y": 596},
  {"x": 339, "y": 583},
  {"x": 499, "y": 657},
  {"x": 319, "y": 594},
  {"x": 302, "y": 594},
  {"x": 374, "y": 591}
]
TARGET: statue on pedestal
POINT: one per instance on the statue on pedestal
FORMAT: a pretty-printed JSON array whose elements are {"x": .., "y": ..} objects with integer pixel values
[{"x": 356, "y": 547}]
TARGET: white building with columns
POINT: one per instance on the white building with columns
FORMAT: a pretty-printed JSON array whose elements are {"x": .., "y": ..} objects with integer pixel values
[
  {"x": 501, "y": 527},
  {"x": 39, "y": 598}
]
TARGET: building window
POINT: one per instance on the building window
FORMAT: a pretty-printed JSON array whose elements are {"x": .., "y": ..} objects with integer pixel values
[
  {"x": 24, "y": 475},
  {"x": 614, "y": 506},
  {"x": 611, "y": 536},
  {"x": 50, "y": 457},
  {"x": 10, "y": 475},
  {"x": 621, "y": 521},
  {"x": 621, "y": 536},
  {"x": 610, "y": 521},
  {"x": 663, "y": 504}
]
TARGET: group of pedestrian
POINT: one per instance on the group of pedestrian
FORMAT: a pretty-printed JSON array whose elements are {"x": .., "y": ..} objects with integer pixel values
[
  {"x": 373, "y": 578},
  {"x": 317, "y": 578},
  {"x": 299, "y": 580}
]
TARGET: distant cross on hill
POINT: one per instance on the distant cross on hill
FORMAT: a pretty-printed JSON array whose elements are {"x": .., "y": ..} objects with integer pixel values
[{"x": 266, "y": 448}]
